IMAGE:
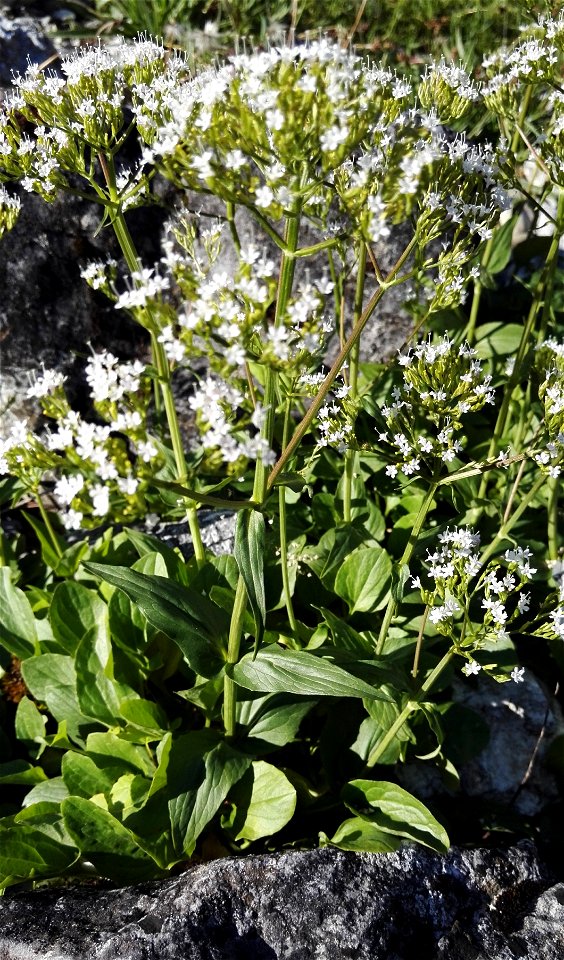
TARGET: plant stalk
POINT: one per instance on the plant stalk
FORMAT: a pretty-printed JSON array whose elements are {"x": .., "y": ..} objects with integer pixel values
[
  {"x": 350, "y": 455},
  {"x": 233, "y": 649},
  {"x": 410, "y": 707},
  {"x": 392, "y": 606}
]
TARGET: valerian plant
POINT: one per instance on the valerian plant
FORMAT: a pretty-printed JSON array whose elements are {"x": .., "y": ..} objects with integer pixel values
[{"x": 165, "y": 706}]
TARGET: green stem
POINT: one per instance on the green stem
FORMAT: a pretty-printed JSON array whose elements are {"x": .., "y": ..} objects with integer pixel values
[
  {"x": 350, "y": 455},
  {"x": 553, "y": 535},
  {"x": 512, "y": 520},
  {"x": 540, "y": 295},
  {"x": 233, "y": 648},
  {"x": 325, "y": 387},
  {"x": 285, "y": 282},
  {"x": 410, "y": 707},
  {"x": 160, "y": 361},
  {"x": 471, "y": 326},
  {"x": 392, "y": 606},
  {"x": 419, "y": 643},
  {"x": 48, "y": 525},
  {"x": 284, "y": 535}
]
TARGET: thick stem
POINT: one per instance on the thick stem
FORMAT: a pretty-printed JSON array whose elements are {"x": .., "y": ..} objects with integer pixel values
[
  {"x": 350, "y": 455},
  {"x": 233, "y": 648},
  {"x": 48, "y": 525},
  {"x": 392, "y": 606},
  {"x": 410, "y": 707},
  {"x": 552, "y": 531},
  {"x": 283, "y": 534}
]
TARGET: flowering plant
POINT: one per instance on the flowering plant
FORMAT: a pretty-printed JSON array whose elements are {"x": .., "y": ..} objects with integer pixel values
[{"x": 165, "y": 702}]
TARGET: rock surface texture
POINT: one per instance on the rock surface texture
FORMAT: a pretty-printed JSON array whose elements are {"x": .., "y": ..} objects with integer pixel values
[{"x": 318, "y": 905}]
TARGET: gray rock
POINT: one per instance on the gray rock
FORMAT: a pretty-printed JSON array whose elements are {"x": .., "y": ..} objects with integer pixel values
[
  {"x": 22, "y": 39},
  {"x": 510, "y": 771},
  {"x": 523, "y": 720},
  {"x": 316, "y": 905},
  {"x": 217, "y": 530}
]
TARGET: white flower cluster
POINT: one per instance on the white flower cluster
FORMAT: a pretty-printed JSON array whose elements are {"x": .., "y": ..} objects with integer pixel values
[
  {"x": 94, "y": 468},
  {"x": 216, "y": 403},
  {"x": 452, "y": 595},
  {"x": 531, "y": 59},
  {"x": 248, "y": 130},
  {"x": 442, "y": 382},
  {"x": 550, "y": 360},
  {"x": 86, "y": 108},
  {"x": 46, "y": 383},
  {"x": 10, "y": 207}
]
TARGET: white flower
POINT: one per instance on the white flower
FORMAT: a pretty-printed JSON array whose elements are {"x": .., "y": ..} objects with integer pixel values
[
  {"x": 46, "y": 384},
  {"x": 473, "y": 667},
  {"x": 518, "y": 674},
  {"x": 264, "y": 197},
  {"x": 100, "y": 496},
  {"x": 66, "y": 488}
]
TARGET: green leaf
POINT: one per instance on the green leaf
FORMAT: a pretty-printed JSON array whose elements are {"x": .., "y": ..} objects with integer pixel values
[
  {"x": 265, "y": 802},
  {"x": 249, "y": 554},
  {"x": 21, "y": 772},
  {"x": 18, "y": 634},
  {"x": 275, "y": 719},
  {"x": 361, "y": 836},
  {"x": 393, "y": 810},
  {"x": 28, "y": 850},
  {"x": 74, "y": 610},
  {"x": 144, "y": 544},
  {"x": 99, "y": 695},
  {"x": 113, "y": 749},
  {"x": 295, "y": 671},
  {"x": 399, "y": 579},
  {"x": 30, "y": 726},
  {"x": 146, "y": 716},
  {"x": 332, "y": 549},
  {"x": 364, "y": 579},
  {"x": 190, "y": 619},
  {"x": 201, "y": 772},
  {"x": 501, "y": 246},
  {"x": 128, "y": 795},
  {"x": 51, "y": 678},
  {"x": 106, "y": 843},
  {"x": 498, "y": 339},
  {"x": 344, "y": 636},
  {"x": 84, "y": 778},
  {"x": 49, "y": 791},
  {"x": 51, "y": 557}
]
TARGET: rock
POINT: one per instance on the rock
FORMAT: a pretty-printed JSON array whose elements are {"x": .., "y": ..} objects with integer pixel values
[
  {"x": 22, "y": 39},
  {"x": 522, "y": 721},
  {"x": 317, "y": 905},
  {"x": 217, "y": 530},
  {"x": 510, "y": 771}
]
